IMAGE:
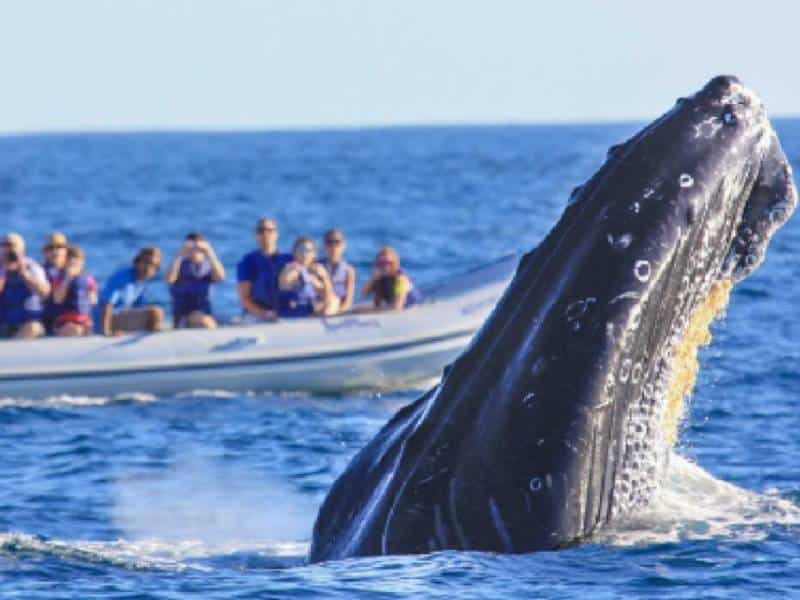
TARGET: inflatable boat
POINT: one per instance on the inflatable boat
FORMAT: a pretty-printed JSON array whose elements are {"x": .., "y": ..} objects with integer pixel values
[{"x": 358, "y": 350}]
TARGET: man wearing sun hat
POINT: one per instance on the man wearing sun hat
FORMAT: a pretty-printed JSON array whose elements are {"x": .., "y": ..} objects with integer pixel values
[
  {"x": 55, "y": 263},
  {"x": 23, "y": 288}
]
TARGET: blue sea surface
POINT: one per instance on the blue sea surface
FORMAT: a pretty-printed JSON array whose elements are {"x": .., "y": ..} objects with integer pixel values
[{"x": 211, "y": 494}]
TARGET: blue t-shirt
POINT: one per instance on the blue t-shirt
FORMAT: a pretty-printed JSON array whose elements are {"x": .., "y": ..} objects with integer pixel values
[
  {"x": 262, "y": 272},
  {"x": 192, "y": 289},
  {"x": 18, "y": 303},
  {"x": 123, "y": 291}
]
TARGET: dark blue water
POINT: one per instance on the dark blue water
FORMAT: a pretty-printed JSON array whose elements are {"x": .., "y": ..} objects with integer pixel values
[{"x": 213, "y": 495}]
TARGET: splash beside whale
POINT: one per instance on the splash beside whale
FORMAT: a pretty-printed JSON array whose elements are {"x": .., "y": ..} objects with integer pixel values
[{"x": 560, "y": 415}]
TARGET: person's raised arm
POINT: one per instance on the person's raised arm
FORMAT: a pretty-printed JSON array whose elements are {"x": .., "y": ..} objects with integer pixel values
[
  {"x": 171, "y": 276},
  {"x": 324, "y": 286},
  {"x": 217, "y": 270},
  {"x": 321, "y": 280},
  {"x": 174, "y": 270},
  {"x": 289, "y": 276},
  {"x": 36, "y": 283}
]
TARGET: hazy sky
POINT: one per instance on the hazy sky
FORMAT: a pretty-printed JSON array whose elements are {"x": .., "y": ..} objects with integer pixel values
[{"x": 131, "y": 64}]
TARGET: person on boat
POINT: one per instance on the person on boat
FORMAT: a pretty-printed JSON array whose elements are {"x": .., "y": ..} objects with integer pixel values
[
  {"x": 341, "y": 273},
  {"x": 124, "y": 301},
  {"x": 190, "y": 276},
  {"x": 74, "y": 296},
  {"x": 305, "y": 287},
  {"x": 55, "y": 262},
  {"x": 390, "y": 287},
  {"x": 23, "y": 289},
  {"x": 258, "y": 272}
]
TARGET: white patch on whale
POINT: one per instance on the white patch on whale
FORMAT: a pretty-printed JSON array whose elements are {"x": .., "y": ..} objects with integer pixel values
[
  {"x": 500, "y": 525},
  {"x": 642, "y": 270}
]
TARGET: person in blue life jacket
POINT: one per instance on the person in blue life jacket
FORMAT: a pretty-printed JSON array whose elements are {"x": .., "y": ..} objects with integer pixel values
[
  {"x": 305, "y": 287},
  {"x": 23, "y": 290},
  {"x": 54, "y": 264},
  {"x": 190, "y": 276},
  {"x": 257, "y": 275},
  {"x": 341, "y": 273},
  {"x": 125, "y": 303},
  {"x": 74, "y": 297},
  {"x": 390, "y": 287}
]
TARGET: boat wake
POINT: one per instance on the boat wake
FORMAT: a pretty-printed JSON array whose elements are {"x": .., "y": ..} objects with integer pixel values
[
  {"x": 68, "y": 400},
  {"x": 204, "y": 516},
  {"x": 74, "y": 400}
]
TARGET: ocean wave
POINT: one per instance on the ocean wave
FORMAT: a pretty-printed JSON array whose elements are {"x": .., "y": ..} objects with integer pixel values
[{"x": 146, "y": 554}]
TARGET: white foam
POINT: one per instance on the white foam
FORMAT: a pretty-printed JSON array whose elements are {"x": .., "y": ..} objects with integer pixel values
[
  {"x": 59, "y": 400},
  {"x": 692, "y": 504},
  {"x": 152, "y": 553}
]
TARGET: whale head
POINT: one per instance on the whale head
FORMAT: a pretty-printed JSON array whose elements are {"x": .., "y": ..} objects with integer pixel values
[{"x": 559, "y": 416}]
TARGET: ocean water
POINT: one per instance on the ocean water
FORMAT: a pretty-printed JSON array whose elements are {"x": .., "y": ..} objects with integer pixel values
[{"x": 211, "y": 494}]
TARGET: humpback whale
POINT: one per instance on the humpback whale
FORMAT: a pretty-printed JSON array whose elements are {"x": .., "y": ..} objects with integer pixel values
[{"x": 559, "y": 416}]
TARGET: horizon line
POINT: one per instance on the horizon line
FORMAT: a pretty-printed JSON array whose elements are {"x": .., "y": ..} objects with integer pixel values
[{"x": 298, "y": 128}]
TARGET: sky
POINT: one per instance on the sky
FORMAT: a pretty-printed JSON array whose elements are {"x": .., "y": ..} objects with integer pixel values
[{"x": 263, "y": 64}]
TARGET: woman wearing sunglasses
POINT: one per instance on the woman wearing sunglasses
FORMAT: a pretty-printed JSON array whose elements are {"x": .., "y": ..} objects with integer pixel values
[
  {"x": 390, "y": 287},
  {"x": 305, "y": 287}
]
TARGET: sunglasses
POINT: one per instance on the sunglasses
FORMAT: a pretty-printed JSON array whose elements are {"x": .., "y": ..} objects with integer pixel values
[
  {"x": 334, "y": 242},
  {"x": 51, "y": 247},
  {"x": 260, "y": 230}
]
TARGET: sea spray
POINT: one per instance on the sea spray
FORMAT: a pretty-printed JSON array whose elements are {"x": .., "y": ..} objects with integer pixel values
[{"x": 205, "y": 499}]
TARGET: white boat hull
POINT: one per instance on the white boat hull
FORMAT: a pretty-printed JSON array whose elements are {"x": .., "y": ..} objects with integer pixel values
[{"x": 373, "y": 351}]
